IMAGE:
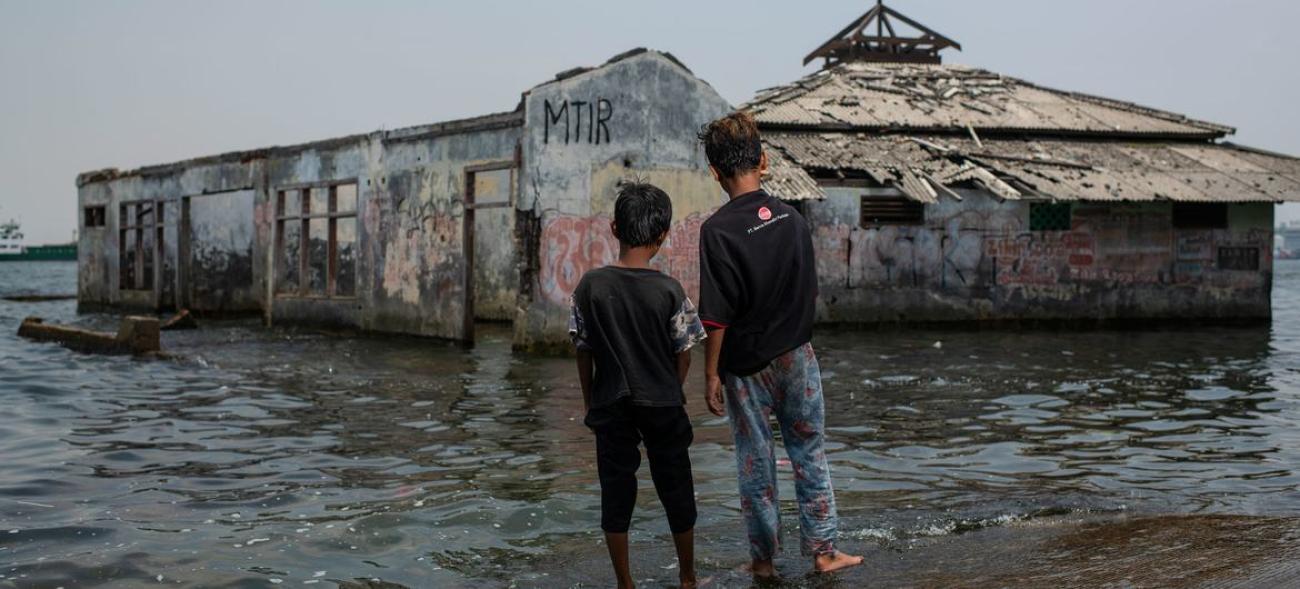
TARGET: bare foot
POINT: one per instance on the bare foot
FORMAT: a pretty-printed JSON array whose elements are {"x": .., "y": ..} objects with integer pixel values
[
  {"x": 762, "y": 569},
  {"x": 829, "y": 563},
  {"x": 689, "y": 583}
]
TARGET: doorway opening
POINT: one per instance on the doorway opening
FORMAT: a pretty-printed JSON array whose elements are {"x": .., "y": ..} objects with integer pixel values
[{"x": 491, "y": 256}]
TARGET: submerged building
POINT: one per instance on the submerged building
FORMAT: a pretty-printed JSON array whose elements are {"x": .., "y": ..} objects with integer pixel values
[
  {"x": 936, "y": 193},
  {"x": 955, "y": 193},
  {"x": 419, "y": 230}
]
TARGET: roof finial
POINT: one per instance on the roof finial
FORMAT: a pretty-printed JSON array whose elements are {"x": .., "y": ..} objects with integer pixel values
[{"x": 855, "y": 43}]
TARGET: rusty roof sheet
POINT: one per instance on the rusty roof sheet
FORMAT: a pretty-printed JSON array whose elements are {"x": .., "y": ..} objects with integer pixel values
[
  {"x": 925, "y": 165},
  {"x": 936, "y": 98}
]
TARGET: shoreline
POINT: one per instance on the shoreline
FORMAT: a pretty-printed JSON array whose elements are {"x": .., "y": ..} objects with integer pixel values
[{"x": 1084, "y": 551}]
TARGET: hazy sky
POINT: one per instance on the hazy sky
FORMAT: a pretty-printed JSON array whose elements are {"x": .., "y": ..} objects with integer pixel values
[{"x": 94, "y": 84}]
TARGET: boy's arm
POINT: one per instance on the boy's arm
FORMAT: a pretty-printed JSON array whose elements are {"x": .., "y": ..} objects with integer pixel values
[
  {"x": 586, "y": 365},
  {"x": 713, "y": 379},
  {"x": 586, "y": 370},
  {"x": 683, "y": 366},
  {"x": 720, "y": 286}
]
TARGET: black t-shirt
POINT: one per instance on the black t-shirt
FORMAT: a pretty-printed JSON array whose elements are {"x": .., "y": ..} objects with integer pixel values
[
  {"x": 634, "y": 322},
  {"x": 758, "y": 280}
]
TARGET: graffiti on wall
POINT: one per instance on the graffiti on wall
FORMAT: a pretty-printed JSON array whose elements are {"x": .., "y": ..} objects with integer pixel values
[
  {"x": 1041, "y": 258},
  {"x": 977, "y": 246},
  {"x": 572, "y": 245},
  {"x": 420, "y": 237},
  {"x": 1194, "y": 255},
  {"x": 583, "y": 121}
]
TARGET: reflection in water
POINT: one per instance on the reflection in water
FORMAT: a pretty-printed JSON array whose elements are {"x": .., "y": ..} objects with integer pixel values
[{"x": 287, "y": 456}]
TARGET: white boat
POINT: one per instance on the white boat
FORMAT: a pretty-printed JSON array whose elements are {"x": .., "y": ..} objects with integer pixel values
[{"x": 11, "y": 240}]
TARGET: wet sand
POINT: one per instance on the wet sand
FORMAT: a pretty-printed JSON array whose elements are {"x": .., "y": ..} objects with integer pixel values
[{"x": 1175, "y": 552}]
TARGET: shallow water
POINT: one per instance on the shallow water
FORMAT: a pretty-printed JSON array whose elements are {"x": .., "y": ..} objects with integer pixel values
[{"x": 287, "y": 457}]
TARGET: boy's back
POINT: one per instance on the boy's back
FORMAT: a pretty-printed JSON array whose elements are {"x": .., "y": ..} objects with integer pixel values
[
  {"x": 634, "y": 322},
  {"x": 633, "y": 328},
  {"x": 758, "y": 279}
]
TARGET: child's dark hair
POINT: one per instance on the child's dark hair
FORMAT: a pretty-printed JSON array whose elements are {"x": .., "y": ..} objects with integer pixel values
[
  {"x": 732, "y": 144},
  {"x": 642, "y": 213}
]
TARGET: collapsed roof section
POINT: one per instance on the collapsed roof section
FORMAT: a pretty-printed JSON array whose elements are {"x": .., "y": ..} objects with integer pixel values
[
  {"x": 927, "y": 128},
  {"x": 926, "y": 167}
]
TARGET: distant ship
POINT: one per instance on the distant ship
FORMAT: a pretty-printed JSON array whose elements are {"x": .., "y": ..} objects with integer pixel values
[
  {"x": 13, "y": 250},
  {"x": 1287, "y": 244}
]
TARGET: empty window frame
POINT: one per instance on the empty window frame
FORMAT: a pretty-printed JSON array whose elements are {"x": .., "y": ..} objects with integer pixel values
[
  {"x": 1044, "y": 216},
  {"x": 140, "y": 239},
  {"x": 891, "y": 210},
  {"x": 1212, "y": 215},
  {"x": 94, "y": 217},
  {"x": 316, "y": 241}
]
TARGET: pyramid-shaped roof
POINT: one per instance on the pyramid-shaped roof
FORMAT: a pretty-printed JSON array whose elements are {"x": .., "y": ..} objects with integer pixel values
[{"x": 880, "y": 36}]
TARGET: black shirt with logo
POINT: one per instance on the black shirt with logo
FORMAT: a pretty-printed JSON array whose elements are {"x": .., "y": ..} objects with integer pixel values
[
  {"x": 758, "y": 280},
  {"x": 634, "y": 322}
]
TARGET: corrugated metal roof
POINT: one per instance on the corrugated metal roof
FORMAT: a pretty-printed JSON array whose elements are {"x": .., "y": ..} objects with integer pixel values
[
  {"x": 936, "y": 98},
  {"x": 788, "y": 181},
  {"x": 922, "y": 166}
]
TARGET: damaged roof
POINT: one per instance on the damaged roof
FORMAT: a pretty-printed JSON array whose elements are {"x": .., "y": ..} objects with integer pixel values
[
  {"x": 865, "y": 96},
  {"x": 788, "y": 180},
  {"x": 928, "y": 128},
  {"x": 924, "y": 167}
]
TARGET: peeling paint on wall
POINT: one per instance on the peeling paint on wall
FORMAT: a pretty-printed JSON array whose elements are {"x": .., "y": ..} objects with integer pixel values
[
  {"x": 977, "y": 259},
  {"x": 221, "y": 252}
]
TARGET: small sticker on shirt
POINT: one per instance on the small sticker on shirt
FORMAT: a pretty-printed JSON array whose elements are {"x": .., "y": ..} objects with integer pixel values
[
  {"x": 687, "y": 329},
  {"x": 768, "y": 220}
]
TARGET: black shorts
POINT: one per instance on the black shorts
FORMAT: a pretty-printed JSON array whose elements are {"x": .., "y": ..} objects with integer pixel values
[{"x": 620, "y": 428}]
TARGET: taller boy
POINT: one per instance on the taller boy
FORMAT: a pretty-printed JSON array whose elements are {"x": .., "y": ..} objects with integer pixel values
[{"x": 758, "y": 287}]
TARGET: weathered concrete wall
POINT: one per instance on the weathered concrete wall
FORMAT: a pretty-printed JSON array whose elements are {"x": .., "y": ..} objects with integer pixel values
[
  {"x": 96, "y": 246},
  {"x": 977, "y": 260},
  {"x": 220, "y": 253},
  {"x": 634, "y": 118},
  {"x": 413, "y": 231},
  {"x": 220, "y": 222},
  {"x": 99, "y": 251}
]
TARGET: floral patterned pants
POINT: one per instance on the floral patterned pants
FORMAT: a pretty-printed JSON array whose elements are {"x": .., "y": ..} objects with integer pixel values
[{"x": 791, "y": 389}]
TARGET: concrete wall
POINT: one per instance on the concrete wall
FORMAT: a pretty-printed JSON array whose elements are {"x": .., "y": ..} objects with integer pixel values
[
  {"x": 636, "y": 117},
  {"x": 99, "y": 248},
  {"x": 977, "y": 260},
  {"x": 220, "y": 253},
  {"x": 496, "y": 261},
  {"x": 410, "y": 263}
]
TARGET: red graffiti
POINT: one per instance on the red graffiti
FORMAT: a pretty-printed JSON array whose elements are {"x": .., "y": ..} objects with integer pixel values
[
  {"x": 570, "y": 247},
  {"x": 1041, "y": 259},
  {"x": 573, "y": 245}
]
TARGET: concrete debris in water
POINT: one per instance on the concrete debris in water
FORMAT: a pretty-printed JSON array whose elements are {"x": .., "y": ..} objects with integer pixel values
[{"x": 137, "y": 335}]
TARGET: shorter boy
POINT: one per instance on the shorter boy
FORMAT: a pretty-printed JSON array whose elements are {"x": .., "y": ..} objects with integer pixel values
[{"x": 633, "y": 327}]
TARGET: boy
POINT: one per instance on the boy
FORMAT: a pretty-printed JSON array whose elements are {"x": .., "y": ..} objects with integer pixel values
[
  {"x": 758, "y": 287},
  {"x": 633, "y": 328}
]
